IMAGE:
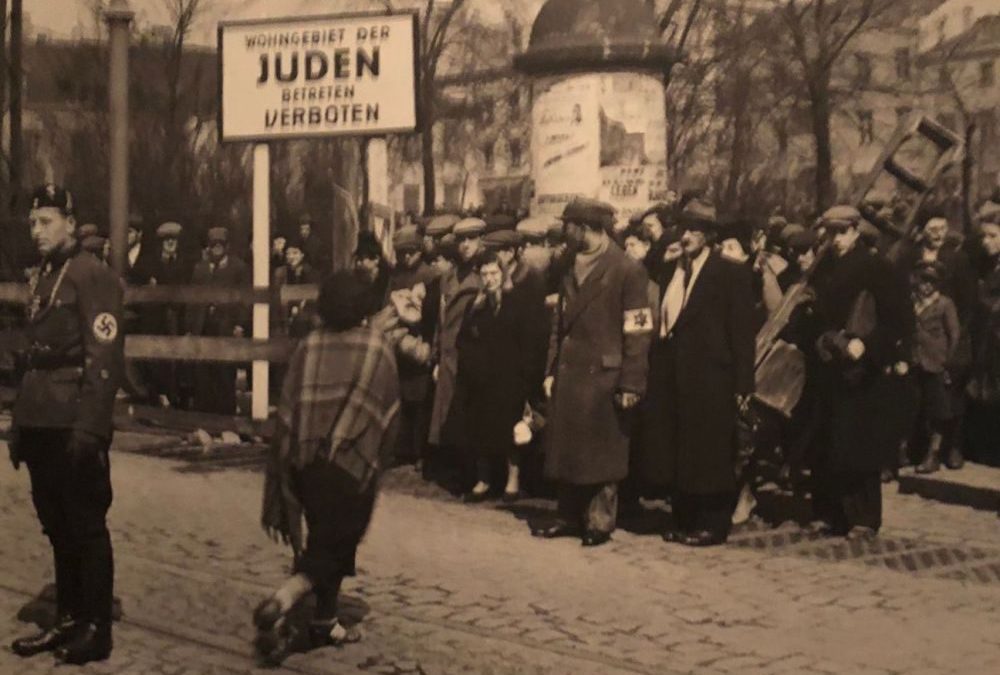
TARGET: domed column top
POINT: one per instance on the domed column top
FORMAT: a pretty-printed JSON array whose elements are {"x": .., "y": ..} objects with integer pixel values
[{"x": 573, "y": 35}]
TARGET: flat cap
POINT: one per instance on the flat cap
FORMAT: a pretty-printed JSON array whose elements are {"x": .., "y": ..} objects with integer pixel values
[
  {"x": 800, "y": 242},
  {"x": 790, "y": 230},
  {"x": 94, "y": 244},
  {"x": 407, "y": 239},
  {"x": 169, "y": 230},
  {"x": 54, "y": 196},
  {"x": 536, "y": 228},
  {"x": 841, "y": 216},
  {"x": 777, "y": 221},
  {"x": 589, "y": 212},
  {"x": 219, "y": 234},
  {"x": 445, "y": 246},
  {"x": 500, "y": 239},
  {"x": 499, "y": 221},
  {"x": 86, "y": 230},
  {"x": 469, "y": 227},
  {"x": 989, "y": 213},
  {"x": 438, "y": 226},
  {"x": 699, "y": 214}
]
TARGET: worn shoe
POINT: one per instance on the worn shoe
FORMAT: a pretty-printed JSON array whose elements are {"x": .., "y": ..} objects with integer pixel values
[
  {"x": 702, "y": 538},
  {"x": 594, "y": 538},
  {"x": 955, "y": 460},
  {"x": 332, "y": 633},
  {"x": 92, "y": 642},
  {"x": 861, "y": 533},
  {"x": 510, "y": 497},
  {"x": 475, "y": 497},
  {"x": 672, "y": 536},
  {"x": 553, "y": 531},
  {"x": 931, "y": 464},
  {"x": 46, "y": 641}
]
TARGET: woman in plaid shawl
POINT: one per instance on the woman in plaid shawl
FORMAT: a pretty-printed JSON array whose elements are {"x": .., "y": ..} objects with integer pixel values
[{"x": 336, "y": 425}]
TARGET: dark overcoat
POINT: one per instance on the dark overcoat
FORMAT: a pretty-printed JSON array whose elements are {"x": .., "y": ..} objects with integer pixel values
[
  {"x": 494, "y": 370},
  {"x": 219, "y": 320},
  {"x": 456, "y": 293},
  {"x": 587, "y": 436},
  {"x": 689, "y": 416},
  {"x": 857, "y": 399}
]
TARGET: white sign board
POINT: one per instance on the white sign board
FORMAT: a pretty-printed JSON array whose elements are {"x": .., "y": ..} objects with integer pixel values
[{"x": 318, "y": 76}]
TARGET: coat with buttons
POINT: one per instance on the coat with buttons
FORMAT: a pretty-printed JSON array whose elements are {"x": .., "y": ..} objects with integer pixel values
[
  {"x": 595, "y": 355},
  {"x": 75, "y": 358}
]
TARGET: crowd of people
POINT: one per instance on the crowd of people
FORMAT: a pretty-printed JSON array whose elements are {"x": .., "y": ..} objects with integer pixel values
[{"x": 679, "y": 358}]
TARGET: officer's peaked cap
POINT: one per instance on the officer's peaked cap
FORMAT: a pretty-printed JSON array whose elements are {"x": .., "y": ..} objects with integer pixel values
[{"x": 54, "y": 196}]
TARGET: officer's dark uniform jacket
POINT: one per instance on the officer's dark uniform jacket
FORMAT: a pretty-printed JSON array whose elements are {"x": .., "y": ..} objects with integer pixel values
[{"x": 75, "y": 357}]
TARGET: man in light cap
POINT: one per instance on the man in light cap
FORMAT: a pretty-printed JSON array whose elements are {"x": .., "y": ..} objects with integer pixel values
[
  {"x": 862, "y": 323},
  {"x": 167, "y": 268},
  {"x": 62, "y": 425},
  {"x": 215, "y": 384},
  {"x": 597, "y": 376},
  {"x": 459, "y": 288},
  {"x": 701, "y": 375}
]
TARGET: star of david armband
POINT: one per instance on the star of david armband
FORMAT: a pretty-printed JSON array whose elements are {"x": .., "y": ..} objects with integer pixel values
[{"x": 638, "y": 321}]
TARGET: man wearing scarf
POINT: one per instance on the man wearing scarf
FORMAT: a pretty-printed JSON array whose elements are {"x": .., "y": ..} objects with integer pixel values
[
  {"x": 336, "y": 428},
  {"x": 597, "y": 376}
]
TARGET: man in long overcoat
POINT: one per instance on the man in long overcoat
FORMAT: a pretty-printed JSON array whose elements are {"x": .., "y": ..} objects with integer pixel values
[
  {"x": 215, "y": 385},
  {"x": 701, "y": 371},
  {"x": 459, "y": 287},
  {"x": 599, "y": 364},
  {"x": 862, "y": 322}
]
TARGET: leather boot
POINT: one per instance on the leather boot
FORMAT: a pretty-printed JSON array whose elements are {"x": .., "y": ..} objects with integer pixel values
[
  {"x": 931, "y": 463},
  {"x": 955, "y": 460},
  {"x": 91, "y": 643},
  {"x": 46, "y": 641}
]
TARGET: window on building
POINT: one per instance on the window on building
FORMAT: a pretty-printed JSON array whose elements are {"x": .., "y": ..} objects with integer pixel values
[
  {"x": 516, "y": 152},
  {"x": 488, "y": 157},
  {"x": 866, "y": 125},
  {"x": 986, "y": 74},
  {"x": 863, "y": 74}
]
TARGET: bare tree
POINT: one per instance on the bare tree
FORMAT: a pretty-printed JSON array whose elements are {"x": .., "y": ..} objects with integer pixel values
[
  {"x": 819, "y": 33},
  {"x": 436, "y": 34}
]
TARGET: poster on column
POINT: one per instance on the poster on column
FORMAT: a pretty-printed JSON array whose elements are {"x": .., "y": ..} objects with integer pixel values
[
  {"x": 633, "y": 142},
  {"x": 317, "y": 76},
  {"x": 565, "y": 141}
]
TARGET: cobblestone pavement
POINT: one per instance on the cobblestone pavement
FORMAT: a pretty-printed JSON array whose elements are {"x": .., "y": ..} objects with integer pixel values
[{"x": 447, "y": 588}]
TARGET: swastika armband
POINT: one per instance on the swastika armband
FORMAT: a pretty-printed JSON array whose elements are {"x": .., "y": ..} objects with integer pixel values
[
  {"x": 638, "y": 321},
  {"x": 105, "y": 327}
]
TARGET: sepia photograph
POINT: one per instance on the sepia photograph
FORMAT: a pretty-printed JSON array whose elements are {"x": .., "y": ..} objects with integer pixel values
[{"x": 500, "y": 337}]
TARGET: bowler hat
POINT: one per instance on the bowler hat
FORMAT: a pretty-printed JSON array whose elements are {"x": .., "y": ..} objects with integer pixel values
[
  {"x": 94, "y": 244},
  {"x": 698, "y": 214},
  {"x": 86, "y": 230}
]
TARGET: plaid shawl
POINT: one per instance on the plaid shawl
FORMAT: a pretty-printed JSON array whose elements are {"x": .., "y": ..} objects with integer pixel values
[{"x": 339, "y": 403}]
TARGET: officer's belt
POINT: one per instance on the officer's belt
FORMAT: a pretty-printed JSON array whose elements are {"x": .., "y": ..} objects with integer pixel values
[{"x": 35, "y": 360}]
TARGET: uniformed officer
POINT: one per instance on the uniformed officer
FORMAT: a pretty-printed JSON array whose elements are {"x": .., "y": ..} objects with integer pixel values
[{"x": 62, "y": 425}]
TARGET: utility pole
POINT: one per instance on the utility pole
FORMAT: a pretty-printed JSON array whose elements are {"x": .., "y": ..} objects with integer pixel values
[
  {"x": 118, "y": 16},
  {"x": 16, "y": 88}
]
